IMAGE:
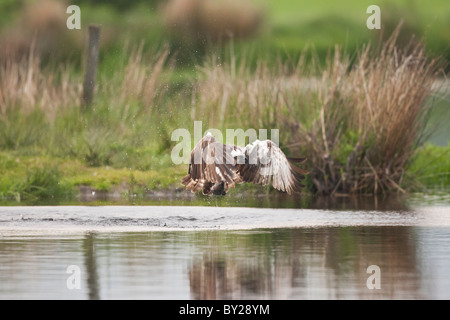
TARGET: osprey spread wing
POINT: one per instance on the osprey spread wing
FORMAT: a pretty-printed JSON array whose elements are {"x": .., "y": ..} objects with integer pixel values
[{"x": 216, "y": 167}]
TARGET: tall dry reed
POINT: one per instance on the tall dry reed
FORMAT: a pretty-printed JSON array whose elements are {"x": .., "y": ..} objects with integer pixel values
[
  {"x": 143, "y": 81},
  {"x": 25, "y": 86}
]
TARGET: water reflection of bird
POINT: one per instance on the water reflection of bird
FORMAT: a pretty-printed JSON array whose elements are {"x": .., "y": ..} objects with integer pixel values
[{"x": 215, "y": 167}]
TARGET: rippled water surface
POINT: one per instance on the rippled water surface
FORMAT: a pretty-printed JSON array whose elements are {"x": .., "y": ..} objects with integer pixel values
[{"x": 208, "y": 252}]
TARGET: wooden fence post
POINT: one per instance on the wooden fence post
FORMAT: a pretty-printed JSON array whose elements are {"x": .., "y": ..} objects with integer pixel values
[{"x": 91, "y": 66}]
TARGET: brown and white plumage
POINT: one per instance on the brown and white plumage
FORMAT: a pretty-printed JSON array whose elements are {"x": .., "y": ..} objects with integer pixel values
[{"x": 215, "y": 167}]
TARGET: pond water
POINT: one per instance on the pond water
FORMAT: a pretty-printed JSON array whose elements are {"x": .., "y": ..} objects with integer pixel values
[{"x": 226, "y": 252}]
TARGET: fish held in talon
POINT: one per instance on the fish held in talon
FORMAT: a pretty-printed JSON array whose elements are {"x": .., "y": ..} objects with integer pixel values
[{"x": 215, "y": 167}]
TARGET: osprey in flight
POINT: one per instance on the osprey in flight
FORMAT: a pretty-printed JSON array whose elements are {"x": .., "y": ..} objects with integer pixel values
[{"x": 215, "y": 167}]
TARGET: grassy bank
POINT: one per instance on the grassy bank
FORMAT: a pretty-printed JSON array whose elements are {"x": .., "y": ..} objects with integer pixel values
[{"x": 39, "y": 177}]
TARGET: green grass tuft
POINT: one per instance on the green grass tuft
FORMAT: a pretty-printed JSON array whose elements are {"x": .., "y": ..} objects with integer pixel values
[{"x": 429, "y": 169}]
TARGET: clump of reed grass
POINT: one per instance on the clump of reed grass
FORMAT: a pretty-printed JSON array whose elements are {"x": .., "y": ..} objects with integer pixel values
[
  {"x": 358, "y": 122},
  {"x": 143, "y": 81},
  {"x": 39, "y": 184},
  {"x": 44, "y": 184},
  {"x": 19, "y": 130},
  {"x": 31, "y": 98}
]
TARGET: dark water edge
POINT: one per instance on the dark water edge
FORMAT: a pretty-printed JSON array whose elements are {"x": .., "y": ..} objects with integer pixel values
[{"x": 178, "y": 197}]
